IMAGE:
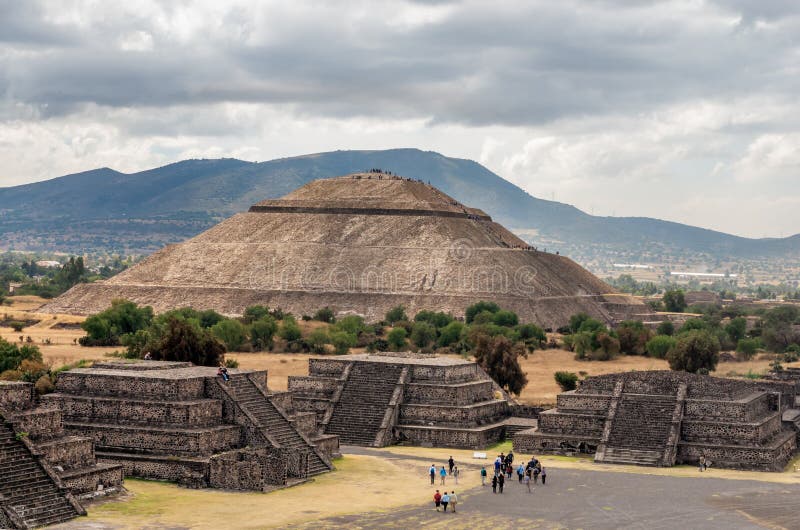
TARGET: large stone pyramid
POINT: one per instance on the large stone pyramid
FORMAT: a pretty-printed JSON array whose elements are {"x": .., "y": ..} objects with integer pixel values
[{"x": 361, "y": 244}]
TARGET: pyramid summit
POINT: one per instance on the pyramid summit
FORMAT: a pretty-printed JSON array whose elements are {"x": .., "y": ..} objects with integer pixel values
[{"x": 360, "y": 243}]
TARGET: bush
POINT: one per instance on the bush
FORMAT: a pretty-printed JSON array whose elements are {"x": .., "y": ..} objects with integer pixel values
[
  {"x": 352, "y": 324},
  {"x": 450, "y": 334},
  {"x": 182, "y": 340},
  {"x": 378, "y": 345},
  {"x": 325, "y": 315},
  {"x": 659, "y": 346},
  {"x": 666, "y": 328},
  {"x": 11, "y": 375},
  {"x": 437, "y": 320},
  {"x": 231, "y": 363},
  {"x": 674, "y": 301},
  {"x": 396, "y": 313},
  {"x": 44, "y": 385},
  {"x": 262, "y": 331},
  {"x": 397, "y": 339},
  {"x": 506, "y": 318},
  {"x": 633, "y": 337},
  {"x": 11, "y": 355},
  {"x": 254, "y": 312},
  {"x": 746, "y": 349},
  {"x": 694, "y": 324},
  {"x": 566, "y": 380},
  {"x": 289, "y": 330},
  {"x": 342, "y": 341},
  {"x": 32, "y": 370},
  {"x": 317, "y": 340},
  {"x": 480, "y": 307},
  {"x": 695, "y": 351},
  {"x": 576, "y": 320},
  {"x": 123, "y": 317},
  {"x": 17, "y": 326},
  {"x": 423, "y": 334},
  {"x": 532, "y": 335},
  {"x": 231, "y": 333},
  {"x": 736, "y": 329}
]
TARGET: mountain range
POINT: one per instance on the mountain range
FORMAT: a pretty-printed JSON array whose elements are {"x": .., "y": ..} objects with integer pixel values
[{"x": 104, "y": 210}]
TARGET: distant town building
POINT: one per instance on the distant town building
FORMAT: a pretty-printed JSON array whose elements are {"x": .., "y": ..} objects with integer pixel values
[{"x": 48, "y": 264}]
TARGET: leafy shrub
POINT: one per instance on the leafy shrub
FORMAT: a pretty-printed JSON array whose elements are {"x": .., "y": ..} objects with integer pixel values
[
  {"x": 352, "y": 324},
  {"x": 325, "y": 315},
  {"x": 11, "y": 355},
  {"x": 261, "y": 332},
  {"x": 396, "y": 313},
  {"x": 231, "y": 363},
  {"x": 342, "y": 341},
  {"x": 499, "y": 357},
  {"x": 231, "y": 333},
  {"x": 674, "y": 301},
  {"x": 317, "y": 340},
  {"x": 378, "y": 345},
  {"x": 44, "y": 385},
  {"x": 17, "y": 326},
  {"x": 695, "y": 351},
  {"x": 289, "y": 330},
  {"x": 254, "y": 312},
  {"x": 423, "y": 334},
  {"x": 397, "y": 338},
  {"x": 478, "y": 308},
  {"x": 694, "y": 324},
  {"x": 566, "y": 380},
  {"x": 633, "y": 337},
  {"x": 183, "y": 340},
  {"x": 436, "y": 319},
  {"x": 746, "y": 349},
  {"x": 666, "y": 328},
  {"x": 659, "y": 345},
  {"x": 123, "y": 317},
  {"x": 450, "y": 334},
  {"x": 505, "y": 318}
]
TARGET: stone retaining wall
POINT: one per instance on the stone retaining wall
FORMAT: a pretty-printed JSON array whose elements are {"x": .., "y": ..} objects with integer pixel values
[
  {"x": 69, "y": 452},
  {"x": 204, "y": 441},
  {"x": 102, "y": 384},
  {"x": 740, "y": 410},
  {"x": 586, "y": 403},
  {"x": 317, "y": 386},
  {"x": 734, "y": 433},
  {"x": 190, "y": 472},
  {"x": 15, "y": 395},
  {"x": 40, "y": 424},
  {"x": 773, "y": 458},
  {"x": 248, "y": 469},
  {"x": 460, "y": 394},
  {"x": 477, "y": 414},
  {"x": 457, "y": 438},
  {"x": 202, "y": 412},
  {"x": 558, "y": 422}
]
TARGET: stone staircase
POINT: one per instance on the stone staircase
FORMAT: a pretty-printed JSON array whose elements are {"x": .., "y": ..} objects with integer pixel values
[
  {"x": 363, "y": 403},
  {"x": 274, "y": 423},
  {"x": 27, "y": 490},
  {"x": 640, "y": 430}
]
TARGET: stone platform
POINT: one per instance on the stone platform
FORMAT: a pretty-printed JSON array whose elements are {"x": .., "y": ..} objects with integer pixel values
[
  {"x": 379, "y": 399},
  {"x": 663, "y": 418},
  {"x": 183, "y": 423}
]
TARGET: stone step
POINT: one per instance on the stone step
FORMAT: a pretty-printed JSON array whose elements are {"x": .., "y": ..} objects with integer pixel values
[{"x": 622, "y": 455}]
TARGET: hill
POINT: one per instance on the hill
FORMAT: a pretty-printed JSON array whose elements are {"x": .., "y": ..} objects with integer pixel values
[{"x": 105, "y": 210}]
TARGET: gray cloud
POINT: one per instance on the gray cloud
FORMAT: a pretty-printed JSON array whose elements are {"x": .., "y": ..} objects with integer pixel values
[{"x": 558, "y": 96}]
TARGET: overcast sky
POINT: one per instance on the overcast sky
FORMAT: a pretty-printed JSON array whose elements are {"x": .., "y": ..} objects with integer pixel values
[{"x": 687, "y": 111}]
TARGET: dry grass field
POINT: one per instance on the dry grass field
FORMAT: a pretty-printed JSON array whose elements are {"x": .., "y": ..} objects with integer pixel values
[{"x": 540, "y": 366}]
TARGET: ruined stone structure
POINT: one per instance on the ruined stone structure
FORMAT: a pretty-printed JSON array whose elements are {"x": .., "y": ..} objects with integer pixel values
[
  {"x": 360, "y": 244},
  {"x": 41, "y": 469},
  {"x": 183, "y": 423},
  {"x": 661, "y": 418},
  {"x": 379, "y": 399}
]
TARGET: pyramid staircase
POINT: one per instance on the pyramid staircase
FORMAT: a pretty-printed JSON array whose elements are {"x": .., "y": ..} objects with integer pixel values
[
  {"x": 30, "y": 497},
  {"x": 640, "y": 430},
  {"x": 358, "y": 416},
  {"x": 274, "y": 423}
]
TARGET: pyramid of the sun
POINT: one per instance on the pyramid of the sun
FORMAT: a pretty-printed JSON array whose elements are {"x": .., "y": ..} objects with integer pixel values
[{"x": 360, "y": 244}]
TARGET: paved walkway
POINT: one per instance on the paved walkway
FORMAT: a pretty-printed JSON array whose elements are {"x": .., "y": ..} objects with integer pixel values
[{"x": 597, "y": 500}]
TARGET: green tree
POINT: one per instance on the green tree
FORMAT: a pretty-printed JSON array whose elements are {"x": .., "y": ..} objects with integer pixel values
[
  {"x": 209, "y": 318},
  {"x": 317, "y": 340},
  {"x": 254, "y": 312},
  {"x": 261, "y": 332},
  {"x": 352, "y": 324},
  {"x": 437, "y": 320},
  {"x": 289, "y": 330},
  {"x": 480, "y": 307},
  {"x": 325, "y": 315},
  {"x": 576, "y": 321},
  {"x": 506, "y": 318},
  {"x": 674, "y": 301},
  {"x": 342, "y": 341},
  {"x": 736, "y": 329},
  {"x": 746, "y": 348},
  {"x": 499, "y": 357},
  {"x": 395, "y": 314},
  {"x": 123, "y": 317},
  {"x": 182, "y": 340},
  {"x": 633, "y": 337},
  {"x": 12, "y": 356},
  {"x": 778, "y": 330},
  {"x": 532, "y": 335},
  {"x": 694, "y": 351},
  {"x": 659, "y": 345},
  {"x": 694, "y": 324},
  {"x": 450, "y": 334},
  {"x": 423, "y": 334},
  {"x": 231, "y": 333},
  {"x": 666, "y": 328},
  {"x": 397, "y": 338}
]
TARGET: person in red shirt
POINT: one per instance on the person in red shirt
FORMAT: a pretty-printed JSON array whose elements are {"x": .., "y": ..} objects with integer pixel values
[{"x": 437, "y": 499}]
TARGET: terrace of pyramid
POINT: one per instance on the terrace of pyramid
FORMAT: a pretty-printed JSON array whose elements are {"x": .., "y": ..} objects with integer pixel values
[{"x": 360, "y": 244}]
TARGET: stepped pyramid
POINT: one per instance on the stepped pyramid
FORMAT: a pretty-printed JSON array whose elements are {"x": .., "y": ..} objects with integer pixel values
[{"x": 361, "y": 243}]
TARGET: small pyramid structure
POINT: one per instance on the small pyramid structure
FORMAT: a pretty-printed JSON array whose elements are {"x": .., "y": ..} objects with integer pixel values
[{"x": 360, "y": 244}]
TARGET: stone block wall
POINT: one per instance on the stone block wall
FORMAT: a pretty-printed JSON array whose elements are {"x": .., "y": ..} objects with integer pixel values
[
  {"x": 40, "y": 423},
  {"x": 458, "y": 394},
  {"x": 16, "y": 395},
  {"x": 164, "y": 440},
  {"x": 305, "y": 422},
  {"x": 69, "y": 452},
  {"x": 475, "y": 414},
  {"x": 462, "y": 438},
  {"x": 558, "y": 422},
  {"x": 586, "y": 403},
  {"x": 326, "y": 367},
  {"x": 313, "y": 386},
  {"x": 201, "y": 412},
  {"x": 733, "y": 433},
  {"x": 771, "y": 458},
  {"x": 84, "y": 382},
  {"x": 248, "y": 469},
  {"x": 188, "y": 472},
  {"x": 444, "y": 374}
]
